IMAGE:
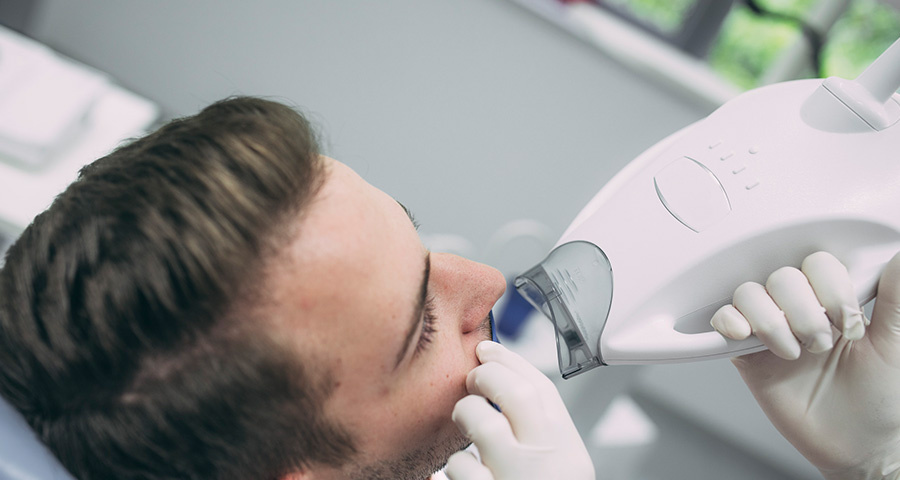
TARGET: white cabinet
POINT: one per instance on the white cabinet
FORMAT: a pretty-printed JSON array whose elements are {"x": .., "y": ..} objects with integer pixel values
[{"x": 55, "y": 116}]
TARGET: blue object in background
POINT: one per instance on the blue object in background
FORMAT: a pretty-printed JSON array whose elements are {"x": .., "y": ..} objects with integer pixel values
[
  {"x": 514, "y": 313},
  {"x": 496, "y": 339},
  {"x": 493, "y": 328}
]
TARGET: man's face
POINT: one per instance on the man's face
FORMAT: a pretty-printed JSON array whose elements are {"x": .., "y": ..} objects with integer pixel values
[{"x": 396, "y": 325}]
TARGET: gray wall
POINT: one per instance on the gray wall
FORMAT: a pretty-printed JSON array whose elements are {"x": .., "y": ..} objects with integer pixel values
[{"x": 470, "y": 112}]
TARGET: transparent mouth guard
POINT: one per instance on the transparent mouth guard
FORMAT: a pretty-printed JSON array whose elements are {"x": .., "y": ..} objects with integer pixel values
[{"x": 573, "y": 287}]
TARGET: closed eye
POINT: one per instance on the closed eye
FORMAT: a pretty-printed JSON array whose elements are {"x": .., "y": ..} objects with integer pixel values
[
  {"x": 410, "y": 215},
  {"x": 429, "y": 326}
]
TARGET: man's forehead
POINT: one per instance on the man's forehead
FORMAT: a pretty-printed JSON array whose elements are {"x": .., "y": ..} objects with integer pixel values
[{"x": 337, "y": 239}]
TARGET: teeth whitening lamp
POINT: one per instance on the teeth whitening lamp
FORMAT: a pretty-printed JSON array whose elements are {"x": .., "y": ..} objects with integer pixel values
[{"x": 772, "y": 176}]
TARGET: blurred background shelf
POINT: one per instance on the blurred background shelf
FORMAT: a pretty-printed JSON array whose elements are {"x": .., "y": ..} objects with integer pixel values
[{"x": 55, "y": 116}]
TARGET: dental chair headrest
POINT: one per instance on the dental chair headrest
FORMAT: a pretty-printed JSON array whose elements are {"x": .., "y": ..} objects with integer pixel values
[{"x": 22, "y": 455}]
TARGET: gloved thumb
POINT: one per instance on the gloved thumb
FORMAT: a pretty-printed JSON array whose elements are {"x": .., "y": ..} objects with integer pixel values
[{"x": 885, "y": 328}]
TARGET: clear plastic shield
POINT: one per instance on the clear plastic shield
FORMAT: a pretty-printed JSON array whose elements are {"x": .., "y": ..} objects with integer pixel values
[{"x": 573, "y": 287}]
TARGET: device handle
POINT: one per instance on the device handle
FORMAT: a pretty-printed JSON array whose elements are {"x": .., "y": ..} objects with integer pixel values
[
  {"x": 882, "y": 77},
  {"x": 660, "y": 341},
  {"x": 869, "y": 95}
]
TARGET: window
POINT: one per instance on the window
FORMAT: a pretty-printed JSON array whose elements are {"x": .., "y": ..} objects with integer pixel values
[
  {"x": 743, "y": 43},
  {"x": 760, "y": 45}
]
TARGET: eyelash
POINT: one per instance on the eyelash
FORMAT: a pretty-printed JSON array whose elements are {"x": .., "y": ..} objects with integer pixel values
[{"x": 428, "y": 326}]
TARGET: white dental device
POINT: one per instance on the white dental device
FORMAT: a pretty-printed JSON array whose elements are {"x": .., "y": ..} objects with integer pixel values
[{"x": 772, "y": 176}]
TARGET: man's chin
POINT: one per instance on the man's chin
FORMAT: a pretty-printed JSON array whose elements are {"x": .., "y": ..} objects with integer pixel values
[
  {"x": 462, "y": 444},
  {"x": 413, "y": 465}
]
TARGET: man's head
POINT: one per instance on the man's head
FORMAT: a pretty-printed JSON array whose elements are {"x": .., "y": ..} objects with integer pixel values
[
  {"x": 400, "y": 330},
  {"x": 216, "y": 300}
]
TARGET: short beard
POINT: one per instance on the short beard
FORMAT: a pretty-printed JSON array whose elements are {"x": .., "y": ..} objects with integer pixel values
[
  {"x": 415, "y": 465},
  {"x": 418, "y": 464}
]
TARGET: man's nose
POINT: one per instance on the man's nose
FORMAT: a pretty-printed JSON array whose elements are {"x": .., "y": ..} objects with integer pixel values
[{"x": 473, "y": 288}]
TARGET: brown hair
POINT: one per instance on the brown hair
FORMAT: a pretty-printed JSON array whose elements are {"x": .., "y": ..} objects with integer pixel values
[{"x": 123, "y": 339}]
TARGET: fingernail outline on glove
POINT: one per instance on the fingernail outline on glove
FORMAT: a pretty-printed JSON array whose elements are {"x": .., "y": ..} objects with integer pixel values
[{"x": 854, "y": 322}]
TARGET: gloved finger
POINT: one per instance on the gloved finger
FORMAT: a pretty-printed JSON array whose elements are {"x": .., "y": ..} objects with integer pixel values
[
  {"x": 464, "y": 466},
  {"x": 487, "y": 428},
  {"x": 885, "y": 328},
  {"x": 766, "y": 320},
  {"x": 806, "y": 317},
  {"x": 831, "y": 282},
  {"x": 488, "y": 351},
  {"x": 729, "y": 322},
  {"x": 516, "y": 397}
]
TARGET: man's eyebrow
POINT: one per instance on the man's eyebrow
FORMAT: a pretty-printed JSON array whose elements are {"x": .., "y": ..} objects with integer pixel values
[
  {"x": 417, "y": 313},
  {"x": 409, "y": 214}
]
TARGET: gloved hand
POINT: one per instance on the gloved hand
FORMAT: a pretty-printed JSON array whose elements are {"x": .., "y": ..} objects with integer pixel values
[
  {"x": 837, "y": 402},
  {"x": 534, "y": 437}
]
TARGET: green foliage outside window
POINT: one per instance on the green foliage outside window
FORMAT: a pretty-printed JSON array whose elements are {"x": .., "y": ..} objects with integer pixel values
[
  {"x": 794, "y": 8},
  {"x": 748, "y": 43},
  {"x": 859, "y": 37}
]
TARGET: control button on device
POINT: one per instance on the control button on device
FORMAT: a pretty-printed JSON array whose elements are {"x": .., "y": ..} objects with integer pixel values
[{"x": 692, "y": 193}]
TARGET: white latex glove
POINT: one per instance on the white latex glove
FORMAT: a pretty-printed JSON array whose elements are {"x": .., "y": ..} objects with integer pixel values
[
  {"x": 837, "y": 402},
  {"x": 534, "y": 437}
]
